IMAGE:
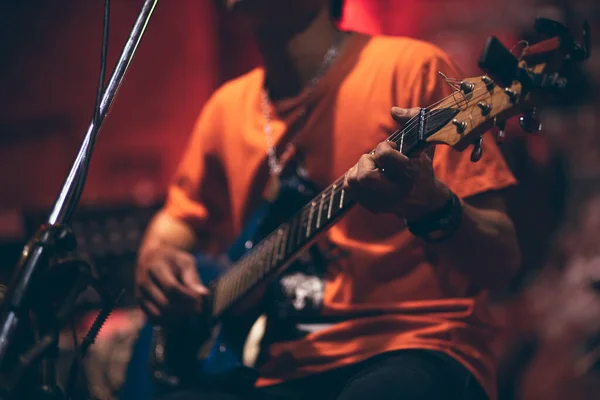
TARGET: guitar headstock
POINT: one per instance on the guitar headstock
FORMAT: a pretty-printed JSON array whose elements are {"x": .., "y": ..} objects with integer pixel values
[{"x": 510, "y": 87}]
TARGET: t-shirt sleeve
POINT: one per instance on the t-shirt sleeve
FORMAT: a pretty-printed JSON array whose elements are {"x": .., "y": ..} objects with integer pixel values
[
  {"x": 454, "y": 168},
  {"x": 197, "y": 193}
]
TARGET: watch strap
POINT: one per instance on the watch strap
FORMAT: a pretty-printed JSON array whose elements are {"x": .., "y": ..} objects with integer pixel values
[{"x": 441, "y": 224}]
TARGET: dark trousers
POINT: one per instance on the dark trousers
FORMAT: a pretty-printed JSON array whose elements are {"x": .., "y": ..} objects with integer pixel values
[{"x": 404, "y": 375}]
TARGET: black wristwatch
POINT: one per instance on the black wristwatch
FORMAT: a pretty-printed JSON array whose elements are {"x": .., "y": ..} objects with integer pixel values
[{"x": 441, "y": 224}]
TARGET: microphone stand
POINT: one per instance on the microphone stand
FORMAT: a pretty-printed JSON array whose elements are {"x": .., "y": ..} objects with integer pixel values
[{"x": 54, "y": 238}]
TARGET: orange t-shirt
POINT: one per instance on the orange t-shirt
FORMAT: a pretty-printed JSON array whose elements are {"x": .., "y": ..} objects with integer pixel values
[{"x": 224, "y": 170}]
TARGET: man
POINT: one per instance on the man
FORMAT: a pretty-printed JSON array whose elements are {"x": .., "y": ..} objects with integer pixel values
[{"x": 328, "y": 94}]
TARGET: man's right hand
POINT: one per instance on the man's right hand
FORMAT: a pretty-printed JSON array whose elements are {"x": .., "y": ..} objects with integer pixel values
[{"x": 167, "y": 284}]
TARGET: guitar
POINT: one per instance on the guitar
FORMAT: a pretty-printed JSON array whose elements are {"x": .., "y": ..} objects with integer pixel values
[{"x": 182, "y": 356}]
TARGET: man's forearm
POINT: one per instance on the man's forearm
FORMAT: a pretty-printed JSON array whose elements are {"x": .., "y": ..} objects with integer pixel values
[{"x": 484, "y": 248}]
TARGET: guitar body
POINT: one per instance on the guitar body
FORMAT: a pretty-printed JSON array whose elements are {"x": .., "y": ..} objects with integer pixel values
[
  {"x": 158, "y": 363},
  {"x": 191, "y": 355}
]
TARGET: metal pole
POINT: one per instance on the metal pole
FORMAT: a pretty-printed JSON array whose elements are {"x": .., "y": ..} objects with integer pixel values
[{"x": 37, "y": 254}]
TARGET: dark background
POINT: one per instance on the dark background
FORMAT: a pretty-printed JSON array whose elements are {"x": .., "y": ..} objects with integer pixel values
[{"x": 49, "y": 64}]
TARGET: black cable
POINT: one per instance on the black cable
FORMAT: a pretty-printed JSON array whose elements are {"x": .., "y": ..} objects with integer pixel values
[
  {"x": 76, "y": 364},
  {"x": 103, "y": 57},
  {"x": 77, "y": 359},
  {"x": 96, "y": 116}
]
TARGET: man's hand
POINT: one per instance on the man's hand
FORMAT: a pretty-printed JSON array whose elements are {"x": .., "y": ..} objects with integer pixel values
[
  {"x": 167, "y": 283},
  {"x": 387, "y": 181}
]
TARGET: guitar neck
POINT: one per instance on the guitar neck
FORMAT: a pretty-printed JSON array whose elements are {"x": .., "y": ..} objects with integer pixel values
[
  {"x": 285, "y": 243},
  {"x": 280, "y": 247}
]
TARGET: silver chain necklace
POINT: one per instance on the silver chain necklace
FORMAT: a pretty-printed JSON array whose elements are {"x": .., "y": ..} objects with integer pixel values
[{"x": 274, "y": 166}]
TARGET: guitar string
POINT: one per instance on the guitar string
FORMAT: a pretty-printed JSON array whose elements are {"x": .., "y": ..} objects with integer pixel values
[
  {"x": 268, "y": 252},
  {"x": 406, "y": 132},
  {"x": 272, "y": 252}
]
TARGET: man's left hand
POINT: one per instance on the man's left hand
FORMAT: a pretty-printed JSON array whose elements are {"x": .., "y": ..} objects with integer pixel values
[{"x": 386, "y": 181}]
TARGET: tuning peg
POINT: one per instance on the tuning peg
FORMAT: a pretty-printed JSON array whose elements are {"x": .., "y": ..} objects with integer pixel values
[
  {"x": 477, "y": 150},
  {"x": 501, "y": 135},
  {"x": 512, "y": 95},
  {"x": 467, "y": 87},
  {"x": 582, "y": 51},
  {"x": 489, "y": 83},
  {"x": 529, "y": 124},
  {"x": 484, "y": 107}
]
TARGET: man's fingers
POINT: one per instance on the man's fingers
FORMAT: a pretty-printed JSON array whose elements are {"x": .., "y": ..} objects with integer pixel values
[
  {"x": 427, "y": 155},
  {"x": 152, "y": 311},
  {"x": 152, "y": 292},
  {"x": 358, "y": 174},
  {"x": 164, "y": 275},
  {"x": 402, "y": 115},
  {"x": 366, "y": 163},
  {"x": 188, "y": 273},
  {"x": 184, "y": 259},
  {"x": 350, "y": 178},
  {"x": 374, "y": 195},
  {"x": 190, "y": 278},
  {"x": 386, "y": 157}
]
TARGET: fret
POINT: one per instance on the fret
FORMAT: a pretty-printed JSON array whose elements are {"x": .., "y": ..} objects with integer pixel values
[
  {"x": 242, "y": 279},
  {"x": 407, "y": 139},
  {"x": 260, "y": 262},
  {"x": 249, "y": 271},
  {"x": 310, "y": 216},
  {"x": 331, "y": 196},
  {"x": 335, "y": 202},
  {"x": 240, "y": 270},
  {"x": 229, "y": 284},
  {"x": 284, "y": 233},
  {"x": 342, "y": 199},
  {"x": 258, "y": 266},
  {"x": 401, "y": 146},
  {"x": 320, "y": 212},
  {"x": 266, "y": 262},
  {"x": 250, "y": 266},
  {"x": 277, "y": 247},
  {"x": 264, "y": 258},
  {"x": 236, "y": 285},
  {"x": 250, "y": 263},
  {"x": 301, "y": 227},
  {"x": 218, "y": 297},
  {"x": 282, "y": 247},
  {"x": 271, "y": 256},
  {"x": 228, "y": 290},
  {"x": 235, "y": 292},
  {"x": 268, "y": 255},
  {"x": 275, "y": 241},
  {"x": 314, "y": 228},
  {"x": 291, "y": 247}
]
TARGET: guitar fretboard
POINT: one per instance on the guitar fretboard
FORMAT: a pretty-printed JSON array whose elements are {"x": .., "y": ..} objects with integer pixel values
[{"x": 280, "y": 247}]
